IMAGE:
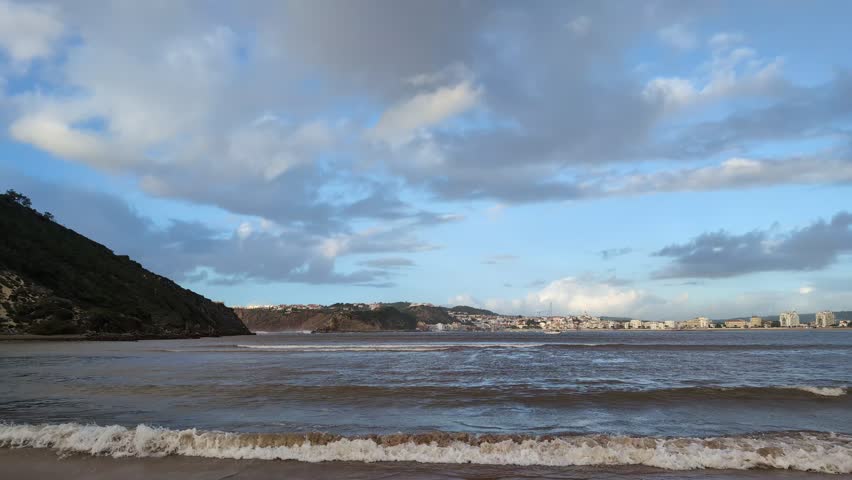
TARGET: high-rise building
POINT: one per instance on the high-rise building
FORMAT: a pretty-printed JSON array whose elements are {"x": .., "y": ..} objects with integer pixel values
[
  {"x": 789, "y": 319},
  {"x": 824, "y": 319},
  {"x": 755, "y": 322}
]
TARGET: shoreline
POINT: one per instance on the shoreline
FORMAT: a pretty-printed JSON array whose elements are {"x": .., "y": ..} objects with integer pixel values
[
  {"x": 774, "y": 329},
  {"x": 47, "y": 463},
  {"x": 135, "y": 338}
]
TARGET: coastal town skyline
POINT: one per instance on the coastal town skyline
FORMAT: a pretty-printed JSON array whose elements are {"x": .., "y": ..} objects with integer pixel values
[
  {"x": 651, "y": 159},
  {"x": 470, "y": 318}
]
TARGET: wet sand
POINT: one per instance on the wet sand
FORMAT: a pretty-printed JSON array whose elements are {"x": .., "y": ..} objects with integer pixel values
[{"x": 27, "y": 463}]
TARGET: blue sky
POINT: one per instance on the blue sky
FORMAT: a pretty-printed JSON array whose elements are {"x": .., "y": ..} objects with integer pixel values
[{"x": 647, "y": 159}]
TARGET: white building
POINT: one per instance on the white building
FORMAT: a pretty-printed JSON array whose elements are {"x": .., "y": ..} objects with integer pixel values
[
  {"x": 697, "y": 322},
  {"x": 789, "y": 319},
  {"x": 670, "y": 324},
  {"x": 635, "y": 324},
  {"x": 824, "y": 319}
]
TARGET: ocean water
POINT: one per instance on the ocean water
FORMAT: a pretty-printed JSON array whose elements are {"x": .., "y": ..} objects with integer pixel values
[{"x": 668, "y": 401}]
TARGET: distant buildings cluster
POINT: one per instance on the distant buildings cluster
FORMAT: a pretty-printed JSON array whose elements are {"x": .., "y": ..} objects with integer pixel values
[
  {"x": 465, "y": 321},
  {"x": 824, "y": 319},
  {"x": 285, "y": 308}
]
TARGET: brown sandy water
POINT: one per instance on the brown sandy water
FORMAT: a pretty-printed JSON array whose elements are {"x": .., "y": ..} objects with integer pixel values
[{"x": 515, "y": 405}]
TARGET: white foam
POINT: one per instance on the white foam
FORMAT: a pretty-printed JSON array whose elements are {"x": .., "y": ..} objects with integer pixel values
[
  {"x": 827, "y": 453},
  {"x": 387, "y": 347},
  {"x": 822, "y": 391}
]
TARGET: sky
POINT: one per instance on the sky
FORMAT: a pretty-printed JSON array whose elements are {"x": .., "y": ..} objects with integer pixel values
[{"x": 649, "y": 159}]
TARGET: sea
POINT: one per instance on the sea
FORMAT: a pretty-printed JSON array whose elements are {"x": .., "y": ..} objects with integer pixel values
[{"x": 581, "y": 404}]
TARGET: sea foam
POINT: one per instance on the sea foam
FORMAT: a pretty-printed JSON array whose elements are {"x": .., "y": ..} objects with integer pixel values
[
  {"x": 806, "y": 451},
  {"x": 823, "y": 391}
]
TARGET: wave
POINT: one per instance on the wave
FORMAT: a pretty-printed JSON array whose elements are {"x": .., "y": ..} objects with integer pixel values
[
  {"x": 823, "y": 391},
  {"x": 805, "y": 451},
  {"x": 594, "y": 394},
  {"x": 387, "y": 347}
]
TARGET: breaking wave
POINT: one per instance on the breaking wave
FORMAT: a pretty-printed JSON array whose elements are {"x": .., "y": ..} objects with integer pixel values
[
  {"x": 823, "y": 391},
  {"x": 805, "y": 451}
]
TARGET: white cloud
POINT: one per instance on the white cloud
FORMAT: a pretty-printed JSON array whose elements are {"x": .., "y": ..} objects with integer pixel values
[
  {"x": 58, "y": 138},
  {"x": 463, "y": 299},
  {"x": 678, "y": 36},
  {"x": 455, "y": 73},
  {"x": 724, "y": 40},
  {"x": 673, "y": 91},
  {"x": 572, "y": 295},
  {"x": 28, "y": 31},
  {"x": 425, "y": 109},
  {"x": 580, "y": 25},
  {"x": 271, "y": 148},
  {"x": 806, "y": 290},
  {"x": 575, "y": 295},
  {"x": 736, "y": 173},
  {"x": 730, "y": 72},
  {"x": 244, "y": 230}
]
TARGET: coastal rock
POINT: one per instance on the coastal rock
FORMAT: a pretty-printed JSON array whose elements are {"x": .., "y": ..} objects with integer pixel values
[{"x": 54, "y": 281}]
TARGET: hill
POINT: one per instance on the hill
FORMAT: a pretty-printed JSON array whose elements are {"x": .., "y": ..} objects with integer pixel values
[
  {"x": 56, "y": 281},
  {"x": 329, "y": 319},
  {"x": 471, "y": 310},
  {"x": 349, "y": 317},
  {"x": 430, "y": 315}
]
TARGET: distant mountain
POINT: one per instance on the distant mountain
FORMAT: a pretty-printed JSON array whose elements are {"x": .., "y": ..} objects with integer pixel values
[
  {"x": 471, "y": 310},
  {"x": 430, "y": 315},
  {"x": 350, "y": 317},
  {"x": 56, "y": 281},
  {"x": 329, "y": 319}
]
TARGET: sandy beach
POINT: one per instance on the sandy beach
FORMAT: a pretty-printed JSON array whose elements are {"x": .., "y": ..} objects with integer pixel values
[{"x": 40, "y": 463}]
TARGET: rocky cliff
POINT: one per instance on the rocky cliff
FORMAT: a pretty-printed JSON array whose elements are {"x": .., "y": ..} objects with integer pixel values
[
  {"x": 56, "y": 281},
  {"x": 326, "y": 320}
]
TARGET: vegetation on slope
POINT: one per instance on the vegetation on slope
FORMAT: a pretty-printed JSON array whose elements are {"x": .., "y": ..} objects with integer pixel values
[
  {"x": 56, "y": 281},
  {"x": 326, "y": 320}
]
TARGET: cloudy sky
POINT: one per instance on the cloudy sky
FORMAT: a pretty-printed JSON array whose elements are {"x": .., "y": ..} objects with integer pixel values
[{"x": 648, "y": 159}]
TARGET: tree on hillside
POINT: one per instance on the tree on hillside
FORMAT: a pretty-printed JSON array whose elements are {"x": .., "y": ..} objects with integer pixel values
[{"x": 18, "y": 198}]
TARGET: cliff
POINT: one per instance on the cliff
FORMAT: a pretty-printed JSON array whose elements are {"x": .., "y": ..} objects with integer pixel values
[
  {"x": 326, "y": 320},
  {"x": 56, "y": 281}
]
